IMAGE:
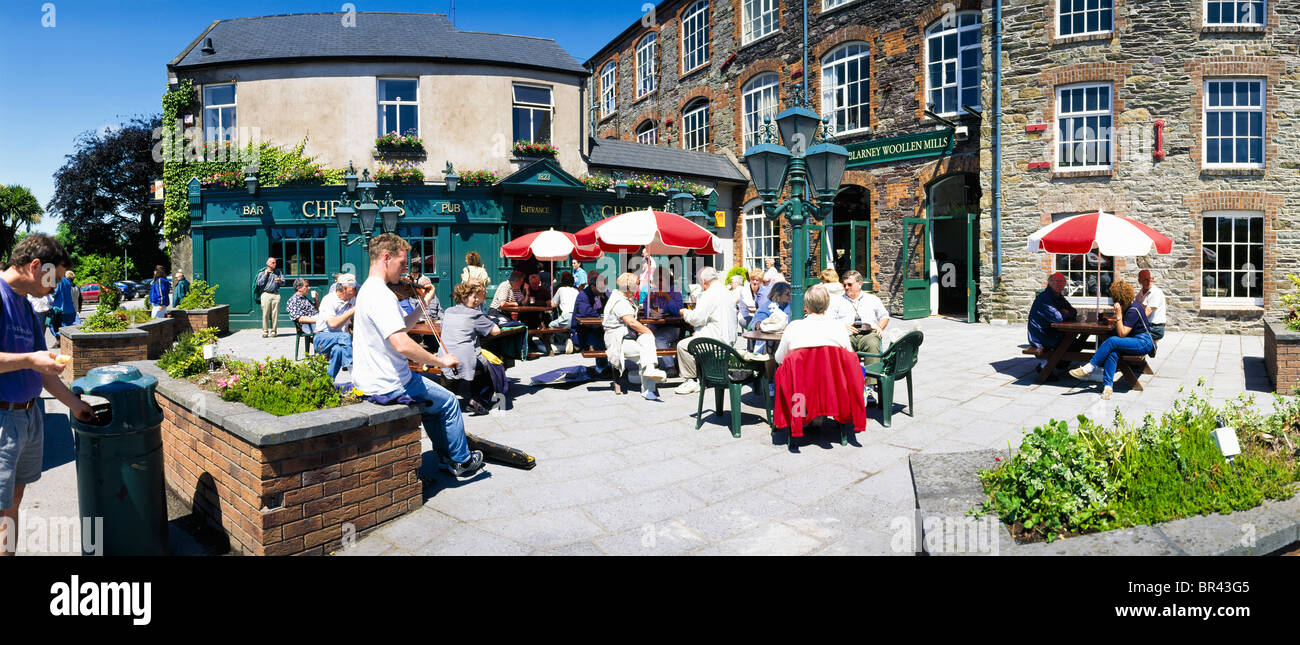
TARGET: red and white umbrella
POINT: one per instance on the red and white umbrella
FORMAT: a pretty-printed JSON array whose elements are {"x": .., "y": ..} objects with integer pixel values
[
  {"x": 1111, "y": 234},
  {"x": 548, "y": 246},
  {"x": 661, "y": 233}
]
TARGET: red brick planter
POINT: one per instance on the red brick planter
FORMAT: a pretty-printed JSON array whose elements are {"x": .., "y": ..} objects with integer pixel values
[
  {"x": 191, "y": 320},
  {"x": 303, "y": 484},
  {"x": 162, "y": 332},
  {"x": 1282, "y": 356},
  {"x": 97, "y": 349}
]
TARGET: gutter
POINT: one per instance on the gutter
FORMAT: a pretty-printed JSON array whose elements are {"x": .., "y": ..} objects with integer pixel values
[{"x": 997, "y": 142}]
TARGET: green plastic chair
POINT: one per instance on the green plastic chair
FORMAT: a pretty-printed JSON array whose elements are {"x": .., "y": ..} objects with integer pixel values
[
  {"x": 895, "y": 363},
  {"x": 308, "y": 339},
  {"x": 720, "y": 367}
]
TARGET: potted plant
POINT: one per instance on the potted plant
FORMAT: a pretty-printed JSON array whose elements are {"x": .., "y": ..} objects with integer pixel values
[
  {"x": 471, "y": 178},
  {"x": 399, "y": 176},
  {"x": 199, "y": 310},
  {"x": 399, "y": 146},
  {"x": 532, "y": 150}
]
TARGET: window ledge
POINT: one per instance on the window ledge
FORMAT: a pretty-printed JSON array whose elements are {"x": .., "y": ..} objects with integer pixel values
[
  {"x": 849, "y": 134},
  {"x": 607, "y": 117},
  {"x": 691, "y": 72},
  {"x": 1082, "y": 38},
  {"x": 817, "y": 11},
  {"x": 759, "y": 40},
  {"x": 389, "y": 153},
  {"x": 1233, "y": 172},
  {"x": 646, "y": 96},
  {"x": 1095, "y": 172},
  {"x": 1232, "y": 309},
  {"x": 1233, "y": 29}
]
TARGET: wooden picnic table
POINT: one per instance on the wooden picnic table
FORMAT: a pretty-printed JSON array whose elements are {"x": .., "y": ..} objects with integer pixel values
[
  {"x": 595, "y": 321},
  {"x": 1102, "y": 329}
]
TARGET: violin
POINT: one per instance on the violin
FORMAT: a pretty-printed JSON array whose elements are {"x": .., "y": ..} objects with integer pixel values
[{"x": 407, "y": 288}]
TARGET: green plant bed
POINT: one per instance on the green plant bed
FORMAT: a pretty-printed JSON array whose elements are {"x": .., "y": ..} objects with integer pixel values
[
  {"x": 278, "y": 386},
  {"x": 200, "y": 296},
  {"x": 1097, "y": 479},
  {"x": 185, "y": 358}
]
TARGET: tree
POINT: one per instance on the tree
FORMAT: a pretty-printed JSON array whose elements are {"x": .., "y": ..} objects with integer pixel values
[
  {"x": 102, "y": 193},
  {"x": 18, "y": 208}
]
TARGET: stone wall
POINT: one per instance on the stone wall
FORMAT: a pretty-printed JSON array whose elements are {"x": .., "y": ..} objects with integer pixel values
[
  {"x": 296, "y": 485},
  {"x": 1155, "y": 62},
  {"x": 90, "y": 350}
]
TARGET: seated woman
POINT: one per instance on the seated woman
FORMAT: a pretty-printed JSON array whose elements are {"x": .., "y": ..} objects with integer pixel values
[
  {"x": 566, "y": 297},
  {"x": 816, "y": 329},
  {"x": 774, "y": 315},
  {"x": 1132, "y": 338},
  {"x": 476, "y": 379}
]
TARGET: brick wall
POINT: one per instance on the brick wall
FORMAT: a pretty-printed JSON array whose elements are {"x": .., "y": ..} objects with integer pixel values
[
  {"x": 1282, "y": 357},
  {"x": 162, "y": 332},
  {"x": 189, "y": 320},
  {"x": 292, "y": 498},
  {"x": 91, "y": 350}
]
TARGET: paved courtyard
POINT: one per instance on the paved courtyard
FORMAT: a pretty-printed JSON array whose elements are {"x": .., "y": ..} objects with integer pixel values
[{"x": 622, "y": 475}]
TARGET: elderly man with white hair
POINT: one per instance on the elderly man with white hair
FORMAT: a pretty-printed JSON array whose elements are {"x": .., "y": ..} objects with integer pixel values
[
  {"x": 332, "y": 322},
  {"x": 714, "y": 316}
]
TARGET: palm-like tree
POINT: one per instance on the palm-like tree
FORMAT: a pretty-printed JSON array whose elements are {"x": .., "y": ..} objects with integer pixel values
[{"x": 18, "y": 208}]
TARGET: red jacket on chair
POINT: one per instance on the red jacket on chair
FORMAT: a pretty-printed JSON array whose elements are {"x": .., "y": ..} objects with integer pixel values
[{"x": 820, "y": 382}]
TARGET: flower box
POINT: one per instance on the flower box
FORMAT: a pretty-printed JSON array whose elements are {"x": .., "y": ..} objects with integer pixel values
[
  {"x": 302, "y": 484},
  {"x": 191, "y": 320},
  {"x": 1282, "y": 356},
  {"x": 97, "y": 349}
]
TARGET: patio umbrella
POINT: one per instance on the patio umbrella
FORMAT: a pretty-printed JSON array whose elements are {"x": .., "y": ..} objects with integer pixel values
[
  {"x": 548, "y": 246},
  {"x": 1109, "y": 234},
  {"x": 661, "y": 233}
]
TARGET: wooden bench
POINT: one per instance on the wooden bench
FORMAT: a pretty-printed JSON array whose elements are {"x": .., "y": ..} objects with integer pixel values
[{"x": 601, "y": 354}]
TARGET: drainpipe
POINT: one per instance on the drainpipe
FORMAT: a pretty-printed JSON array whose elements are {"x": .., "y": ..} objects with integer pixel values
[
  {"x": 997, "y": 142},
  {"x": 805, "y": 50}
]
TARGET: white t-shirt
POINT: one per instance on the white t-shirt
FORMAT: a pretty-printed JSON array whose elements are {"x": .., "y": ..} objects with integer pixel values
[
  {"x": 1156, "y": 301},
  {"x": 814, "y": 330},
  {"x": 330, "y": 307},
  {"x": 566, "y": 298},
  {"x": 615, "y": 308},
  {"x": 868, "y": 308},
  {"x": 377, "y": 368}
]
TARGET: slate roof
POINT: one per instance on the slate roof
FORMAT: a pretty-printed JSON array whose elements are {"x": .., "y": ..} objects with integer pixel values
[
  {"x": 613, "y": 153},
  {"x": 375, "y": 35}
]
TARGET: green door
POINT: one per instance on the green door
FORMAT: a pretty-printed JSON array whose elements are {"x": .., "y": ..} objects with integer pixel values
[
  {"x": 916, "y": 268},
  {"x": 854, "y": 237},
  {"x": 969, "y": 238},
  {"x": 483, "y": 238}
]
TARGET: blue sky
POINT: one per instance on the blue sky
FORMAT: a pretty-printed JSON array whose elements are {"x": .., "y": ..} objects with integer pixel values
[{"x": 104, "y": 61}]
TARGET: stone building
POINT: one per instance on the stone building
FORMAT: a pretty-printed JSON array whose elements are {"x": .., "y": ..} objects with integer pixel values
[
  {"x": 703, "y": 74},
  {"x": 1177, "y": 113}
]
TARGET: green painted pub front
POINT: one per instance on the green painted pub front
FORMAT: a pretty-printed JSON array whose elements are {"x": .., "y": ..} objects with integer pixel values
[{"x": 234, "y": 232}]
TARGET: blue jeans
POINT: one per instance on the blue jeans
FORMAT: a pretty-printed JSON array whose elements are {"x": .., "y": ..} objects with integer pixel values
[
  {"x": 338, "y": 346},
  {"x": 442, "y": 419},
  {"x": 1110, "y": 350}
]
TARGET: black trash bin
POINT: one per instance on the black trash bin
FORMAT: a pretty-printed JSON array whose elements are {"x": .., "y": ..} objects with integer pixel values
[{"x": 120, "y": 463}]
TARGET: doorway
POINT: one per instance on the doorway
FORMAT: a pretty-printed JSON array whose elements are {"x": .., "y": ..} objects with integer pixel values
[
  {"x": 850, "y": 244},
  {"x": 953, "y": 210}
]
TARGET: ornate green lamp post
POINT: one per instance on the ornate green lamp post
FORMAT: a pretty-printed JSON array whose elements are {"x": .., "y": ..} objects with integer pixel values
[{"x": 811, "y": 163}]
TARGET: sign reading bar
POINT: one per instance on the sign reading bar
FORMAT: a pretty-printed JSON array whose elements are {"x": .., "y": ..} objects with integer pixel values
[{"x": 911, "y": 146}]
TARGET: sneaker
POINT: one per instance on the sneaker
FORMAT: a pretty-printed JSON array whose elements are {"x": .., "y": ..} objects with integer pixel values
[
  {"x": 1106, "y": 392},
  {"x": 476, "y": 409},
  {"x": 688, "y": 387},
  {"x": 651, "y": 395},
  {"x": 1078, "y": 373},
  {"x": 474, "y": 462},
  {"x": 654, "y": 374}
]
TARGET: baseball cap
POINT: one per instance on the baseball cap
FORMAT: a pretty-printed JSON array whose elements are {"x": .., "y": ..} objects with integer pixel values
[{"x": 347, "y": 280}]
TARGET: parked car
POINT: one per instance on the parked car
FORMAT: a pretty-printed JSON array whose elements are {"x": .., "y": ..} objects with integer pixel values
[
  {"x": 128, "y": 289},
  {"x": 90, "y": 292}
]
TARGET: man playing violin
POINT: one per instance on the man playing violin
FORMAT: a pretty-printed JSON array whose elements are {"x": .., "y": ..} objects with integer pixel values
[{"x": 382, "y": 349}]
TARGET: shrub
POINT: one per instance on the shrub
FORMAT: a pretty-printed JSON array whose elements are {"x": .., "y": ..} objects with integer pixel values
[
  {"x": 1292, "y": 301},
  {"x": 101, "y": 269},
  {"x": 200, "y": 296},
  {"x": 597, "y": 182},
  {"x": 105, "y": 320},
  {"x": 110, "y": 297},
  {"x": 1163, "y": 469},
  {"x": 478, "y": 178},
  {"x": 399, "y": 176},
  {"x": 185, "y": 358},
  {"x": 230, "y": 179},
  {"x": 281, "y": 386},
  {"x": 311, "y": 175}
]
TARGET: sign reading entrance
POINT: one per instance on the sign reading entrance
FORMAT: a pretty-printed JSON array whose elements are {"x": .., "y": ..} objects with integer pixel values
[{"x": 911, "y": 146}]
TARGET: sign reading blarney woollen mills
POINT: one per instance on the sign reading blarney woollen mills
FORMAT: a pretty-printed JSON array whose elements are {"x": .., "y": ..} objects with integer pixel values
[{"x": 911, "y": 146}]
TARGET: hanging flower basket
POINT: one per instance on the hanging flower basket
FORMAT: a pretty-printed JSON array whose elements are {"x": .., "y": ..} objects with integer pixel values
[{"x": 538, "y": 149}]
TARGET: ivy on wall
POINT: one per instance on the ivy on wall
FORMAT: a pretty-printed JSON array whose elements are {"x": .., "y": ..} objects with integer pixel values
[{"x": 186, "y": 155}]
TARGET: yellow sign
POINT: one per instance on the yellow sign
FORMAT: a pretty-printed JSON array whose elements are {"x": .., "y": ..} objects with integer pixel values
[
  {"x": 323, "y": 208},
  {"x": 252, "y": 210},
  {"x": 539, "y": 210},
  {"x": 543, "y": 176},
  {"x": 720, "y": 218},
  {"x": 609, "y": 211}
]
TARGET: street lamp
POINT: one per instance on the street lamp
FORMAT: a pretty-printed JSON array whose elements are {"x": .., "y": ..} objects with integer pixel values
[
  {"x": 250, "y": 179},
  {"x": 812, "y": 162},
  {"x": 350, "y": 179},
  {"x": 451, "y": 177},
  {"x": 343, "y": 214},
  {"x": 388, "y": 214}
]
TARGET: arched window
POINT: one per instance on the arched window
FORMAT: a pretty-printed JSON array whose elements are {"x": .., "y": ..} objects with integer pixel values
[
  {"x": 608, "y": 87},
  {"x": 759, "y": 97},
  {"x": 695, "y": 125},
  {"x": 645, "y": 65},
  {"x": 647, "y": 133},
  {"x": 846, "y": 87},
  {"x": 695, "y": 36},
  {"x": 952, "y": 59}
]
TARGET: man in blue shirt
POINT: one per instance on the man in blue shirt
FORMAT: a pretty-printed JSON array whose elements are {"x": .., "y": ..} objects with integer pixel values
[
  {"x": 590, "y": 304},
  {"x": 65, "y": 299},
  {"x": 25, "y": 368},
  {"x": 1049, "y": 307}
]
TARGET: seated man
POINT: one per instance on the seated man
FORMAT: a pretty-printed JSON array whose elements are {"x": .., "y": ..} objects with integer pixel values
[
  {"x": 865, "y": 319},
  {"x": 509, "y": 295},
  {"x": 712, "y": 317},
  {"x": 1049, "y": 307},
  {"x": 332, "y": 337},
  {"x": 300, "y": 307},
  {"x": 590, "y": 304},
  {"x": 382, "y": 370},
  {"x": 619, "y": 323}
]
